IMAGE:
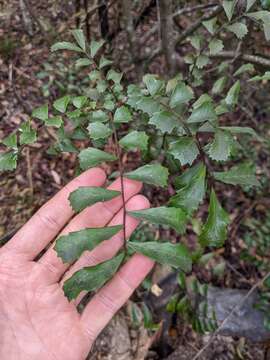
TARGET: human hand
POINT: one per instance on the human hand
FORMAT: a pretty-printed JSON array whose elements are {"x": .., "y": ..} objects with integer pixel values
[{"x": 36, "y": 319}]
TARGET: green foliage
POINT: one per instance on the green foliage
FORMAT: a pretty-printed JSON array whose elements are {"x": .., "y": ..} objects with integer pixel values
[
  {"x": 173, "y": 217},
  {"x": 155, "y": 174},
  {"x": 242, "y": 174},
  {"x": 87, "y": 196},
  {"x": 70, "y": 247},
  {"x": 135, "y": 140},
  {"x": 8, "y": 161},
  {"x": 91, "y": 157},
  {"x": 214, "y": 231},
  {"x": 180, "y": 132},
  {"x": 91, "y": 278},
  {"x": 175, "y": 255},
  {"x": 191, "y": 189}
]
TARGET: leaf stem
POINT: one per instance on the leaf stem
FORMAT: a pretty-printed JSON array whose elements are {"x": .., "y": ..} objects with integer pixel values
[{"x": 118, "y": 154}]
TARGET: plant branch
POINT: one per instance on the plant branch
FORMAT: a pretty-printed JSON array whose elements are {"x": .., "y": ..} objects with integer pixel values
[
  {"x": 189, "y": 31},
  {"x": 254, "y": 59},
  {"x": 117, "y": 153}
]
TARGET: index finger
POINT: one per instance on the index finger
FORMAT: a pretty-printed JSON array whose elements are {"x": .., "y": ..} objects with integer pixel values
[{"x": 47, "y": 222}]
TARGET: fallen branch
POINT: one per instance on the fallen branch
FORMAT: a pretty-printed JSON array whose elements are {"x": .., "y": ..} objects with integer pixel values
[{"x": 254, "y": 59}]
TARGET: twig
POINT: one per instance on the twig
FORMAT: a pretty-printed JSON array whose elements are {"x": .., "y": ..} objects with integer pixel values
[
  {"x": 29, "y": 171},
  {"x": 34, "y": 17},
  {"x": 254, "y": 59},
  {"x": 87, "y": 20},
  {"x": 119, "y": 157},
  {"x": 166, "y": 30},
  {"x": 189, "y": 31},
  {"x": 234, "y": 309}
]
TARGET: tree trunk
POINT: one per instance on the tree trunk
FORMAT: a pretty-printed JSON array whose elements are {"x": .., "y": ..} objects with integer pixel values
[
  {"x": 165, "y": 8},
  {"x": 103, "y": 18}
]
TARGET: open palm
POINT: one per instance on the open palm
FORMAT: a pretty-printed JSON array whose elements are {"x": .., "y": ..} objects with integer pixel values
[{"x": 36, "y": 319}]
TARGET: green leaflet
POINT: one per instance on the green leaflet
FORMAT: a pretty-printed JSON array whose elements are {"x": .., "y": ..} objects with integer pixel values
[
  {"x": 219, "y": 85},
  {"x": 228, "y": 6},
  {"x": 241, "y": 130},
  {"x": 244, "y": 68},
  {"x": 122, "y": 115},
  {"x": 175, "y": 255},
  {"x": 204, "y": 98},
  {"x": 211, "y": 25},
  {"x": 205, "y": 112},
  {"x": 215, "y": 46},
  {"x": 91, "y": 278},
  {"x": 135, "y": 139},
  {"x": 41, "y": 113},
  {"x": 221, "y": 147},
  {"x": 104, "y": 62},
  {"x": 98, "y": 130},
  {"x": 79, "y": 37},
  {"x": 62, "y": 103},
  {"x": 196, "y": 41},
  {"x": 99, "y": 115},
  {"x": 153, "y": 84},
  {"x": 173, "y": 217},
  {"x": 191, "y": 185},
  {"x": 233, "y": 94},
  {"x": 154, "y": 174},
  {"x": 181, "y": 94},
  {"x": 10, "y": 141},
  {"x": 148, "y": 105},
  {"x": 65, "y": 45},
  {"x": 185, "y": 150},
  {"x": 79, "y": 101},
  {"x": 114, "y": 76},
  {"x": 91, "y": 157},
  {"x": 8, "y": 161},
  {"x": 27, "y": 134},
  {"x": 164, "y": 121},
  {"x": 250, "y": 3},
  {"x": 214, "y": 231},
  {"x": 201, "y": 61},
  {"x": 83, "y": 62},
  {"x": 71, "y": 246},
  {"x": 239, "y": 29},
  {"x": 89, "y": 195},
  {"x": 55, "y": 121},
  {"x": 265, "y": 76},
  {"x": 242, "y": 174},
  {"x": 95, "y": 46}
]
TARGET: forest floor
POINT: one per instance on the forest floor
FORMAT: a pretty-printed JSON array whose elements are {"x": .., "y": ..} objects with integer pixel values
[{"x": 39, "y": 176}]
